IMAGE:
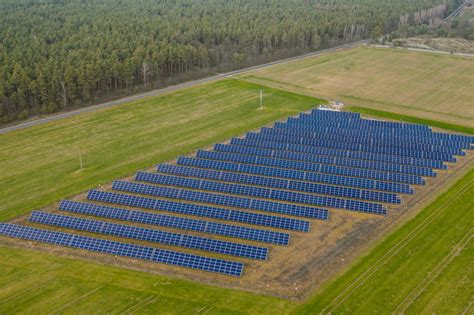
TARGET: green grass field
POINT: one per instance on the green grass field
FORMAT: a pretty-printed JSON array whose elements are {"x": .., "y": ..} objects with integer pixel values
[
  {"x": 425, "y": 85},
  {"x": 429, "y": 258},
  {"x": 424, "y": 267},
  {"x": 40, "y": 165}
]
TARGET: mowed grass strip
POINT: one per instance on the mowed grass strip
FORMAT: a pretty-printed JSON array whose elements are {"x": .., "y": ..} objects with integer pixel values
[
  {"x": 34, "y": 282},
  {"x": 40, "y": 165},
  {"x": 422, "y": 84},
  {"x": 423, "y": 267}
]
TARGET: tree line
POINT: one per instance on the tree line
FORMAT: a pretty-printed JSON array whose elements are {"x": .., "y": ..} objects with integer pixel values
[{"x": 60, "y": 54}]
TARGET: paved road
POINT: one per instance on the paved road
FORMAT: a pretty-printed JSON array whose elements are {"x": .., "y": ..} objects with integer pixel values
[{"x": 168, "y": 89}]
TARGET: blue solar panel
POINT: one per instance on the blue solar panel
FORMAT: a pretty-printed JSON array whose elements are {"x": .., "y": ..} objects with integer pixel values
[
  {"x": 256, "y": 192},
  {"x": 326, "y": 159},
  {"x": 297, "y": 175},
  {"x": 223, "y": 200},
  {"x": 150, "y": 235},
  {"x": 176, "y": 222},
  {"x": 360, "y": 137},
  {"x": 198, "y": 210},
  {"x": 124, "y": 249},
  {"x": 339, "y": 152},
  {"x": 441, "y": 156},
  {"x": 432, "y": 137},
  {"x": 278, "y": 183},
  {"x": 313, "y": 167},
  {"x": 363, "y": 124}
]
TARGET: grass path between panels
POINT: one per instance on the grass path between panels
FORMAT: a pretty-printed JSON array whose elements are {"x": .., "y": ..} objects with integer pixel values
[
  {"x": 426, "y": 266},
  {"x": 40, "y": 165}
]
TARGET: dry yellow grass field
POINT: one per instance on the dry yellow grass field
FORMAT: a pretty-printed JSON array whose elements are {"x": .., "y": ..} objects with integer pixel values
[{"x": 427, "y": 85}]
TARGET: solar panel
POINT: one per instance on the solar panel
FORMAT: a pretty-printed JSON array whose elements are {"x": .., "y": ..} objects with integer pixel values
[
  {"x": 223, "y": 214},
  {"x": 388, "y": 133},
  {"x": 313, "y": 167},
  {"x": 326, "y": 159},
  {"x": 151, "y": 235},
  {"x": 339, "y": 152},
  {"x": 176, "y": 222},
  {"x": 356, "y": 136},
  {"x": 219, "y": 199},
  {"x": 169, "y": 257},
  {"x": 252, "y": 191},
  {"x": 277, "y": 183},
  {"x": 406, "y": 152},
  {"x": 297, "y": 175}
]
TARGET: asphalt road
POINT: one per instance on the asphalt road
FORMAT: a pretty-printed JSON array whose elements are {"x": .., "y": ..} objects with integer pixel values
[{"x": 92, "y": 108}]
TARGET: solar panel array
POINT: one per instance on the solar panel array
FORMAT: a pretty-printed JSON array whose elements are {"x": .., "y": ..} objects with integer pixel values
[
  {"x": 151, "y": 235},
  {"x": 280, "y": 178},
  {"x": 209, "y": 227},
  {"x": 226, "y": 267}
]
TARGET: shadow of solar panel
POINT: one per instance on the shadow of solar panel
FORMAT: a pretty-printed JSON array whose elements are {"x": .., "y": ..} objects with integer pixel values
[
  {"x": 297, "y": 175},
  {"x": 277, "y": 183},
  {"x": 124, "y": 249},
  {"x": 157, "y": 236},
  {"x": 256, "y": 192},
  {"x": 209, "y": 227},
  {"x": 223, "y": 200}
]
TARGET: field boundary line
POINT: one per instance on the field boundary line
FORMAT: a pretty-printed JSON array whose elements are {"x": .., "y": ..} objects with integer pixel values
[
  {"x": 437, "y": 270},
  {"x": 360, "y": 280}
]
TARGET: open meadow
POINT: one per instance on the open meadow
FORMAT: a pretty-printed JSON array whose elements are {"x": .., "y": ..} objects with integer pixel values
[
  {"x": 426, "y": 85},
  {"x": 419, "y": 260},
  {"x": 40, "y": 165}
]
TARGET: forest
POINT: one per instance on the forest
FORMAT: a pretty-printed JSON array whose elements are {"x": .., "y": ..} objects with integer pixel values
[{"x": 62, "y": 54}]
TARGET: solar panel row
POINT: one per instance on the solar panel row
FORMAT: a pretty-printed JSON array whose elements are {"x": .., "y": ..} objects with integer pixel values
[
  {"x": 326, "y": 159},
  {"x": 223, "y": 200},
  {"x": 151, "y": 235},
  {"x": 339, "y": 152},
  {"x": 297, "y": 175},
  {"x": 124, "y": 249},
  {"x": 381, "y": 136},
  {"x": 257, "y": 192},
  {"x": 209, "y": 227},
  {"x": 278, "y": 183},
  {"x": 357, "y": 137},
  {"x": 209, "y": 212},
  {"x": 316, "y": 116},
  {"x": 359, "y": 125},
  {"x": 372, "y": 129},
  {"x": 406, "y": 152},
  {"x": 312, "y": 167}
]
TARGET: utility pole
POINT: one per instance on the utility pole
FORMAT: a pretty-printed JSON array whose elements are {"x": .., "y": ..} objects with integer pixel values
[{"x": 80, "y": 158}]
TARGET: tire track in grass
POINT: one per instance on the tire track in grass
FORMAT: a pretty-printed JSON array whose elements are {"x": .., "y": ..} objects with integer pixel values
[
  {"x": 437, "y": 270},
  {"x": 360, "y": 280},
  {"x": 82, "y": 297}
]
